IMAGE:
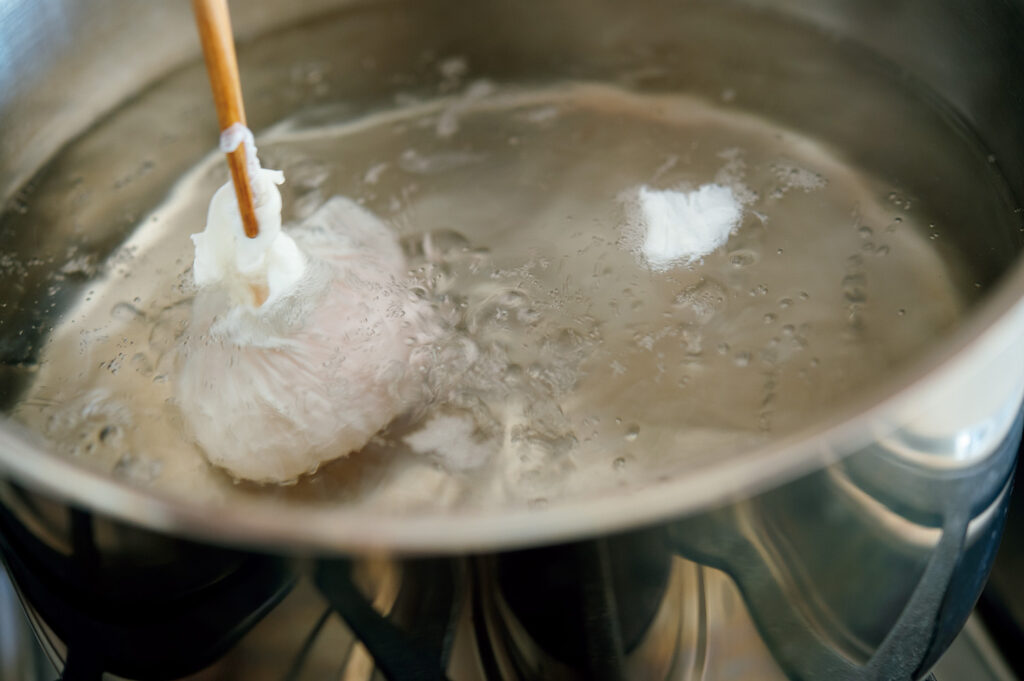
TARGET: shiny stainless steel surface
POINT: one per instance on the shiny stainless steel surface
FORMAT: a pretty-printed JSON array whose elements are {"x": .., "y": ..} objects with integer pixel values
[
  {"x": 948, "y": 407},
  {"x": 973, "y": 656},
  {"x": 702, "y": 630},
  {"x": 65, "y": 64},
  {"x": 901, "y": 495},
  {"x": 21, "y": 659}
]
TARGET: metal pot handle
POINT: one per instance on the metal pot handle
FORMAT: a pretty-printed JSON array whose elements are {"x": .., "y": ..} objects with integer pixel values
[
  {"x": 729, "y": 540},
  {"x": 803, "y": 650}
]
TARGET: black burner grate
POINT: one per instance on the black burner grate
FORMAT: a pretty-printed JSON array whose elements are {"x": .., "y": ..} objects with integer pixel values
[{"x": 147, "y": 627}]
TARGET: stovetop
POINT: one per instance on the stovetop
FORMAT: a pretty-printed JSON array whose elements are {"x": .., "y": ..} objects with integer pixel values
[
  {"x": 974, "y": 655},
  {"x": 302, "y": 637}
]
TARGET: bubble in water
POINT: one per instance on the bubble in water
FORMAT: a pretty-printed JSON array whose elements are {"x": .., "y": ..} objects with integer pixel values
[
  {"x": 110, "y": 434},
  {"x": 506, "y": 309},
  {"x": 137, "y": 469},
  {"x": 93, "y": 424},
  {"x": 769, "y": 318},
  {"x": 126, "y": 312},
  {"x": 82, "y": 266},
  {"x": 793, "y": 177},
  {"x": 855, "y": 288},
  {"x": 168, "y": 327},
  {"x": 743, "y": 258},
  {"x": 897, "y": 199},
  {"x": 702, "y": 301},
  {"x": 892, "y": 226},
  {"x": 741, "y": 359},
  {"x": 442, "y": 245},
  {"x": 865, "y": 232},
  {"x": 413, "y": 162},
  {"x": 619, "y": 463},
  {"x": 632, "y": 433},
  {"x": 140, "y": 362}
]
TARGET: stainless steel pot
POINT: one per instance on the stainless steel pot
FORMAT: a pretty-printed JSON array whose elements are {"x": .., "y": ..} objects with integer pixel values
[{"x": 858, "y": 545}]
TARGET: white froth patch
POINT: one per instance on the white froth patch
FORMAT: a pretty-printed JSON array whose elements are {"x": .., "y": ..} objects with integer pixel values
[
  {"x": 794, "y": 177},
  {"x": 679, "y": 227},
  {"x": 451, "y": 437}
]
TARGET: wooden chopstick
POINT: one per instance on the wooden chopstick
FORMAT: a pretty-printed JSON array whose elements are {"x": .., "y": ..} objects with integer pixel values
[{"x": 214, "y": 24}]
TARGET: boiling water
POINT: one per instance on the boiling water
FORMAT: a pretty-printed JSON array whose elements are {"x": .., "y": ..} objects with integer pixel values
[{"x": 566, "y": 365}]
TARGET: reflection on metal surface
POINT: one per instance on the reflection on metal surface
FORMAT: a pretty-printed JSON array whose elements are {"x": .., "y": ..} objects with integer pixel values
[
  {"x": 959, "y": 446},
  {"x": 702, "y": 630},
  {"x": 1001, "y": 606},
  {"x": 18, "y": 652},
  {"x": 714, "y": 642},
  {"x": 380, "y": 581},
  {"x": 973, "y": 657},
  {"x": 871, "y": 565}
]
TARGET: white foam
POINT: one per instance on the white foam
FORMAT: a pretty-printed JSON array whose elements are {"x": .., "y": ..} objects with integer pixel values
[
  {"x": 453, "y": 438},
  {"x": 680, "y": 227}
]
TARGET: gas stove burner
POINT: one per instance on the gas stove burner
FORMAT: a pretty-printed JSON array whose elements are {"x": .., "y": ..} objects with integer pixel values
[
  {"x": 617, "y": 594},
  {"x": 154, "y": 622},
  {"x": 413, "y": 642},
  {"x": 389, "y": 647}
]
